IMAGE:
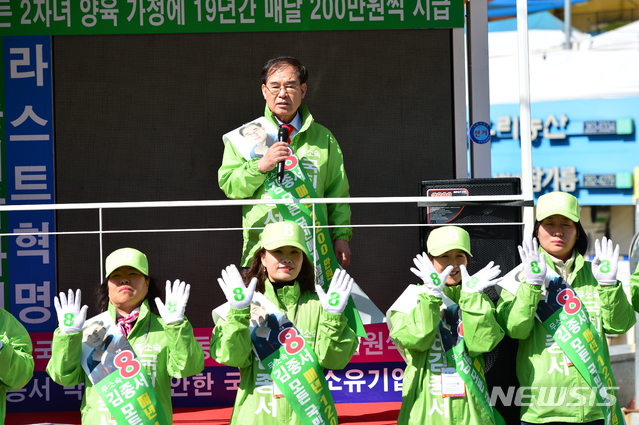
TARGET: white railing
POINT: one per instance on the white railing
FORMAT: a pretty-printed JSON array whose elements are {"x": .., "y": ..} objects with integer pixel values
[{"x": 419, "y": 201}]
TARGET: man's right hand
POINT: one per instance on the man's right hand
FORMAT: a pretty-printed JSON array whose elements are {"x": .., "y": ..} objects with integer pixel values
[{"x": 278, "y": 152}]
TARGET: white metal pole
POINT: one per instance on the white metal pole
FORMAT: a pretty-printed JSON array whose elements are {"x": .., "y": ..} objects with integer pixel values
[
  {"x": 101, "y": 245},
  {"x": 567, "y": 23},
  {"x": 524, "y": 113},
  {"x": 459, "y": 103},
  {"x": 478, "y": 83}
]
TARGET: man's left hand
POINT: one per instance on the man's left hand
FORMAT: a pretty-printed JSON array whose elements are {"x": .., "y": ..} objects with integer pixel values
[{"x": 342, "y": 252}]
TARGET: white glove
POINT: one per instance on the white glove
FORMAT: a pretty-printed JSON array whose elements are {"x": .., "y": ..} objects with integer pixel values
[
  {"x": 434, "y": 282},
  {"x": 70, "y": 316},
  {"x": 533, "y": 261},
  {"x": 604, "y": 266},
  {"x": 232, "y": 284},
  {"x": 176, "y": 299},
  {"x": 338, "y": 292},
  {"x": 480, "y": 280}
]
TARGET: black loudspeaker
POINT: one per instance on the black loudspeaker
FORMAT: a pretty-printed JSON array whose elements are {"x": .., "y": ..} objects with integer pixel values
[{"x": 489, "y": 241}]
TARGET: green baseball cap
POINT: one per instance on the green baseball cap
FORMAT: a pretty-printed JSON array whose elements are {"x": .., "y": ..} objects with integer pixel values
[
  {"x": 561, "y": 203},
  {"x": 444, "y": 239},
  {"x": 127, "y": 257},
  {"x": 283, "y": 233}
]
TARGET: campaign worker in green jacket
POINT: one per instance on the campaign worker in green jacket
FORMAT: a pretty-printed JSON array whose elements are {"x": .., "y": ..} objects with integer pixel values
[
  {"x": 164, "y": 344},
  {"x": 552, "y": 389},
  {"x": 433, "y": 391},
  {"x": 284, "y": 87},
  {"x": 16, "y": 361},
  {"x": 282, "y": 274}
]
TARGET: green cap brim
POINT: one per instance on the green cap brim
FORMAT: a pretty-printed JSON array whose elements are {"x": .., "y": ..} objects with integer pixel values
[
  {"x": 560, "y": 203},
  {"x": 284, "y": 233},
  {"x": 443, "y": 239},
  {"x": 126, "y": 257}
]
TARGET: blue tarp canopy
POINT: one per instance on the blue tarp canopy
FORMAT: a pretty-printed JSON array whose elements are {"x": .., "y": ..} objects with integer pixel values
[
  {"x": 507, "y": 8},
  {"x": 536, "y": 21}
]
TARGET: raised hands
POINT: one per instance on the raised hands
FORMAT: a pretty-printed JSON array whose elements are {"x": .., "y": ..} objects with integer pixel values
[
  {"x": 338, "y": 292},
  {"x": 71, "y": 316},
  {"x": 480, "y": 280},
  {"x": 237, "y": 294},
  {"x": 604, "y": 266},
  {"x": 533, "y": 261},
  {"x": 434, "y": 282},
  {"x": 176, "y": 299}
]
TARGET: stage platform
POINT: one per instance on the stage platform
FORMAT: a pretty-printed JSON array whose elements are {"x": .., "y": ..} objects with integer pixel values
[{"x": 349, "y": 413}]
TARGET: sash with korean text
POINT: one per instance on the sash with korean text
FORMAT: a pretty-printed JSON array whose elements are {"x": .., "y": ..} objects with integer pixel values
[
  {"x": 115, "y": 371},
  {"x": 565, "y": 318},
  {"x": 470, "y": 369},
  {"x": 297, "y": 185},
  {"x": 450, "y": 329},
  {"x": 289, "y": 360}
]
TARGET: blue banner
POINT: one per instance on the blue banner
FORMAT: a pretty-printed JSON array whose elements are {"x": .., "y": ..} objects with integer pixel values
[{"x": 28, "y": 170}]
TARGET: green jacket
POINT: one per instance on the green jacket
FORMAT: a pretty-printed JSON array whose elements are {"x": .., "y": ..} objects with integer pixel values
[
  {"x": 548, "y": 383},
  {"x": 329, "y": 335},
  {"x": 418, "y": 334},
  {"x": 634, "y": 289},
  {"x": 16, "y": 362},
  {"x": 166, "y": 351},
  {"x": 323, "y": 162}
]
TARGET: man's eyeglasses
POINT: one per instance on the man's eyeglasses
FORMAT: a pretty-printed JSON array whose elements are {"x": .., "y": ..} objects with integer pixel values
[
  {"x": 289, "y": 88},
  {"x": 253, "y": 132}
]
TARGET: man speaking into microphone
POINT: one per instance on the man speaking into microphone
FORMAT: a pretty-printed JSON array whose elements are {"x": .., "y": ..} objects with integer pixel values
[{"x": 284, "y": 87}]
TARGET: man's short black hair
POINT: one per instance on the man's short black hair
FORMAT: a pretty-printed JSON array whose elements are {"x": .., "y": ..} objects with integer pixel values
[{"x": 279, "y": 62}]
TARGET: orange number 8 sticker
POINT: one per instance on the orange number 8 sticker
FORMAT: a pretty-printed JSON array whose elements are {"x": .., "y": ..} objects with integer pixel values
[
  {"x": 293, "y": 343},
  {"x": 129, "y": 366},
  {"x": 569, "y": 301}
]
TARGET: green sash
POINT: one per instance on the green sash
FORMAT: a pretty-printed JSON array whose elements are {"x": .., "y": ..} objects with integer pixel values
[
  {"x": 470, "y": 369},
  {"x": 119, "y": 377},
  {"x": 297, "y": 185},
  {"x": 566, "y": 319},
  {"x": 291, "y": 362}
]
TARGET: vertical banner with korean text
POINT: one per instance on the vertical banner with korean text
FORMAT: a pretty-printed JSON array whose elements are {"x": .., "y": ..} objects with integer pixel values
[{"x": 27, "y": 166}]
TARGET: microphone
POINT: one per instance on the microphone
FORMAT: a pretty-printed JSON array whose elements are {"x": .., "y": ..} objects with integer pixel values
[{"x": 282, "y": 136}]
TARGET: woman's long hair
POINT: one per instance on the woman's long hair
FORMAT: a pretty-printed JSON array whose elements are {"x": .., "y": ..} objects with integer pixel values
[
  {"x": 582, "y": 237},
  {"x": 306, "y": 278},
  {"x": 102, "y": 295}
]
